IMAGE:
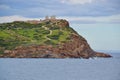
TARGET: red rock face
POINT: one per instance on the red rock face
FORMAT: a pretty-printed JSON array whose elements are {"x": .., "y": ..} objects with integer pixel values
[
  {"x": 77, "y": 47},
  {"x": 98, "y": 54}
]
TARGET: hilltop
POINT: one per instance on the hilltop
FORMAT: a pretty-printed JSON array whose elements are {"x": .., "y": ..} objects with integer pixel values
[{"x": 49, "y": 38}]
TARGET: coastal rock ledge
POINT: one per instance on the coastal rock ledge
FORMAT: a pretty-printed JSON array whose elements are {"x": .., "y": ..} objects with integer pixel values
[{"x": 75, "y": 46}]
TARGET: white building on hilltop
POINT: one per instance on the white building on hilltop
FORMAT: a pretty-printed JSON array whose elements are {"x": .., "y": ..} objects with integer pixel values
[{"x": 50, "y": 18}]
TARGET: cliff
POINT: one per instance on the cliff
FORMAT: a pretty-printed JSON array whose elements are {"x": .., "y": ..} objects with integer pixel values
[{"x": 45, "y": 39}]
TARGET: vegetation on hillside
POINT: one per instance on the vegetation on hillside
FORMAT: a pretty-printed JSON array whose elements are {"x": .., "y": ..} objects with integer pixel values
[{"x": 25, "y": 34}]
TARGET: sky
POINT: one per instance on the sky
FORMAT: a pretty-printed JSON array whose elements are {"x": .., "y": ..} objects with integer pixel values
[{"x": 96, "y": 20}]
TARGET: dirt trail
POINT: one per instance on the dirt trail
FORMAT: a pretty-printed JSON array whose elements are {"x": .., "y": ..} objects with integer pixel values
[{"x": 49, "y": 33}]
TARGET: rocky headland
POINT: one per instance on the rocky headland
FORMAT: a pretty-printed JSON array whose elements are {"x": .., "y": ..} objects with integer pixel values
[{"x": 49, "y": 38}]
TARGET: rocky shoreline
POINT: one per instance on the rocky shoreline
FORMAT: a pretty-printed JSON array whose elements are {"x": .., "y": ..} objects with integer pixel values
[{"x": 77, "y": 47}]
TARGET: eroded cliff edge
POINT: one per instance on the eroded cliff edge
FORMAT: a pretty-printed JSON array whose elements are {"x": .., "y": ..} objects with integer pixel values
[{"x": 56, "y": 40}]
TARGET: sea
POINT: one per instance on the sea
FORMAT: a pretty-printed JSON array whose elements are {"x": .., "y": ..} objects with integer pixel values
[{"x": 60, "y": 69}]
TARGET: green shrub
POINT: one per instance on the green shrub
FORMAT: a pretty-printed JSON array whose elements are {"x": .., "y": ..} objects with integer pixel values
[
  {"x": 2, "y": 50},
  {"x": 49, "y": 42},
  {"x": 37, "y": 36},
  {"x": 45, "y": 32},
  {"x": 54, "y": 37},
  {"x": 54, "y": 28}
]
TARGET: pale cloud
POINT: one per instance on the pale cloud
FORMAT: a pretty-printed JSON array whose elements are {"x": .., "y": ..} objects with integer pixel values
[
  {"x": 6, "y": 19},
  {"x": 77, "y": 1},
  {"x": 85, "y": 20},
  {"x": 103, "y": 19},
  {"x": 74, "y": 2}
]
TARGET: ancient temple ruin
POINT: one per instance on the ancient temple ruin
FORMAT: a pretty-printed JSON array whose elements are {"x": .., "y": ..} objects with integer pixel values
[{"x": 50, "y": 17}]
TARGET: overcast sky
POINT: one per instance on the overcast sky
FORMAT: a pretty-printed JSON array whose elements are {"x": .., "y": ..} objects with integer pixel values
[
  {"x": 87, "y": 11},
  {"x": 78, "y": 12}
]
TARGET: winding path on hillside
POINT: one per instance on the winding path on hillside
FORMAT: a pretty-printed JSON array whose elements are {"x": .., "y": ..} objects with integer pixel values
[{"x": 49, "y": 33}]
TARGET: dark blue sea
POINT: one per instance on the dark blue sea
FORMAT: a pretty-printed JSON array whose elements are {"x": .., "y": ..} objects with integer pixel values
[{"x": 60, "y": 69}]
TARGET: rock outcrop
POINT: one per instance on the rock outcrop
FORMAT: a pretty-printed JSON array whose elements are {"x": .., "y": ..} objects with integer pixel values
[{"x": 75, "y": 47}]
